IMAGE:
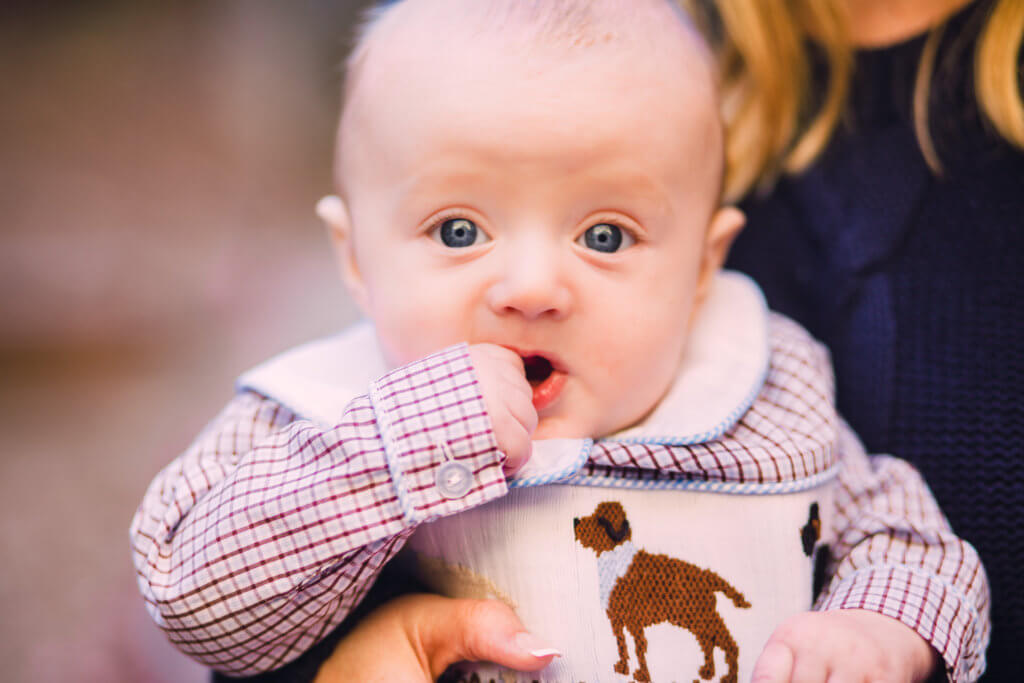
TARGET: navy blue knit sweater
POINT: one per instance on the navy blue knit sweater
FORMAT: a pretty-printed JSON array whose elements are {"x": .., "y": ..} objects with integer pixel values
[{"x": 915, "y": 284}]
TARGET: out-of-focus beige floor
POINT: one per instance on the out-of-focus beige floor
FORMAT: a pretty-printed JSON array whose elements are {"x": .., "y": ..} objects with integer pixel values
[{"x": 158, "y": 167}]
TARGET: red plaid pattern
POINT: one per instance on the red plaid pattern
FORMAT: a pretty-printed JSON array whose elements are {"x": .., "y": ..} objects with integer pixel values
[
  {"x": 258, "y": 540},
  {"x": 897, "y": 555}
]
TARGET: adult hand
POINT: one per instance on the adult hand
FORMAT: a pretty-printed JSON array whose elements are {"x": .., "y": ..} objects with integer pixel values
[
  {"x": 844, "y": 645},
  {"x": 509, "y": 401},
  {"x": 416, "y": 637}
]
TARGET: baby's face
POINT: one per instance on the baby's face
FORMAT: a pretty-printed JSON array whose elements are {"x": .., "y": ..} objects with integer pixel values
[{"x": 553, "y": 204}]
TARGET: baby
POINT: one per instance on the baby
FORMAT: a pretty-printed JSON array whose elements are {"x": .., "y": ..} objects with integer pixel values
[{"x": 528, "y": 214}]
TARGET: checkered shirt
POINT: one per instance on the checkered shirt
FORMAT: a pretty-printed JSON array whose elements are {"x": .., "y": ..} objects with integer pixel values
[{"x": 257, "y": 541}]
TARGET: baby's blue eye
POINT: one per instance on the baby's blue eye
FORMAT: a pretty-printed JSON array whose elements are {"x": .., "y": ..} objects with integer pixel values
[
  {"x": 459, "y": 233},
  {"x": 606, "y": 237}
]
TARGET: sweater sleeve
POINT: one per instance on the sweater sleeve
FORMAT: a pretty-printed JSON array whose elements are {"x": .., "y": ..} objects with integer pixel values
[
  {"x": 896, "y": 554},
  {"x": 258, "y": 540}
]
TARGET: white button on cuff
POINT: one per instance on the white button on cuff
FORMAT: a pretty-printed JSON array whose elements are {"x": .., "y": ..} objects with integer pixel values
[{"x": 453, "y": 479}]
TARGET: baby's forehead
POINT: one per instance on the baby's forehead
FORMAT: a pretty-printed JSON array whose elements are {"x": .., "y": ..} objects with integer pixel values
[
  {"x": 503, "y": 48},
  {"x": 540, "y": 22},
  {"x": 552, "y": 29}
]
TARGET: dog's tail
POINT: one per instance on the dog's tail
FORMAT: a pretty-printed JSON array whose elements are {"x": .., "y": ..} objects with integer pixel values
[{"x": 719, "y": 584}]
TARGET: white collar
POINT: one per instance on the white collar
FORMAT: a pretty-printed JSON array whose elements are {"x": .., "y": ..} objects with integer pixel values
[
  {"x": 721, "y": 373},
  {"x": 318, "y": 379}
]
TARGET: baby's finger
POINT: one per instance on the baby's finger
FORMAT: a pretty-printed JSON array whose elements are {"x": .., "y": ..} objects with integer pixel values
[
  {"x": 517, "y": 386},
  {"x": 502, "y": 355},
  {"x": 839, "y": 678},
  {"x": 520, "y": 405},
  {"x": 809, "y": 667},
  {"x": 518, "y": 448},
  {"x": 775, "y": 665},
  {"x": 515, "y": 377}
]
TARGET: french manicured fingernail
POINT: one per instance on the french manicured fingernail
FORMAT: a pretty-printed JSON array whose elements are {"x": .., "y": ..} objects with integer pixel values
[
  {"x": 329, "y": 207},
  {"x": 527, "y": 642}
]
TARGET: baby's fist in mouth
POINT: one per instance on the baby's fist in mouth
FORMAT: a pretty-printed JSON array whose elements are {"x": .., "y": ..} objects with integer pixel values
[{"x": 508, "y": 397}]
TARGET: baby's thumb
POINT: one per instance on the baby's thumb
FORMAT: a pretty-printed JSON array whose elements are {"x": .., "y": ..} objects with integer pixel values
[{"x": 488, "y": 631}]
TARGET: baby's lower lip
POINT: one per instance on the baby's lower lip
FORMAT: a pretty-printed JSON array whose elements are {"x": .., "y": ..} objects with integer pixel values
[{"x": 547, "y": 392}]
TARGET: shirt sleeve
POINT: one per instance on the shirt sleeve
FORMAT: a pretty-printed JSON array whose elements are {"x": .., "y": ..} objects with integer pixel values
[
  {"x": 259, "y": 539},
  {"x": 895, "y": 554}
]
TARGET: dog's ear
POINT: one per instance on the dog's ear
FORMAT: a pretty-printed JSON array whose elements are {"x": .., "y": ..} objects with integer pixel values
[
  {"x": 616, "y": 534},
  {"x": 612, "y": 511},
  {"x": 810, "y": 533}
]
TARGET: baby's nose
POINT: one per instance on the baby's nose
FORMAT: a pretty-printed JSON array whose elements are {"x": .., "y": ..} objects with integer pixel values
[{"x": 533, "y": 288}]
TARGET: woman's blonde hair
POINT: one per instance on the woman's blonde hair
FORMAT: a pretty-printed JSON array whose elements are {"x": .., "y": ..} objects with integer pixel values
[{"x": 774, "y": 124}]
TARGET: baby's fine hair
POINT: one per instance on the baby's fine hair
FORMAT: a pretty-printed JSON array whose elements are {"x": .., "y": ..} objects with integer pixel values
[{"x": 550, "y": 23}]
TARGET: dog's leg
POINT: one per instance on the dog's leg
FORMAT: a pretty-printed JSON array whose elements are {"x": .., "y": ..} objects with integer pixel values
[
  {"x": 732, "y": 653},
  {"x": 619, "y": 629},
  {"x": 640, "y": 641},
  {"x": 706, "y": 638},
  {"x": 715, "y": 634}
]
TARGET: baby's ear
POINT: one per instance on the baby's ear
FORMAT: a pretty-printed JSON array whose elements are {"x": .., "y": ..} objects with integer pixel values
[
  {"x": 724, "y": 226},
  {"x": 333, "y": 212}
]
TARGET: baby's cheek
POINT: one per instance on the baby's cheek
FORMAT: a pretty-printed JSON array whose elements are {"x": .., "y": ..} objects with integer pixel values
[
  {"x": 645, "y": 374},
  {"x": 410, "y": 337},
  {"x": 397, "y": 343}
]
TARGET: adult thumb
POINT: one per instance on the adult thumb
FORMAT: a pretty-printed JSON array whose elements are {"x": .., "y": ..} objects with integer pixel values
[{"x": 481, "y": 631}]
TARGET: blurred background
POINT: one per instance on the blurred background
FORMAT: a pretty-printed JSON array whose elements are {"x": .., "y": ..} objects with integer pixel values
[{"x": 159, "y": 164}]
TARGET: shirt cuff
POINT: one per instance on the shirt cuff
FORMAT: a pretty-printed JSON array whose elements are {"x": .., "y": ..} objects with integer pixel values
[
  {"x": 938, "y": 611},
  {"x": 438, "y": 440}
]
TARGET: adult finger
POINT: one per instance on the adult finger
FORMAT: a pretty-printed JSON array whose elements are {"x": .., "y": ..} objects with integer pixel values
[{"x": 480, "y": 631}]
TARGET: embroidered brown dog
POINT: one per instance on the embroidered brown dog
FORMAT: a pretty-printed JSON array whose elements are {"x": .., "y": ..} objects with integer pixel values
[{"x": 641, "y": 589}]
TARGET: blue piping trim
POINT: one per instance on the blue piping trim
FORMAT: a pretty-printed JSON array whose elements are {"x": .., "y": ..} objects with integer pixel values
[
  {"x": 558, "y": 476},
  {"x": 731, "y": 487}
]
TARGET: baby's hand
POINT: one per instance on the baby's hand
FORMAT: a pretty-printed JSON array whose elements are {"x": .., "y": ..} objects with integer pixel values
[
  {"x": 509, "y": 401},
  {"x": 844, "y": 645}
]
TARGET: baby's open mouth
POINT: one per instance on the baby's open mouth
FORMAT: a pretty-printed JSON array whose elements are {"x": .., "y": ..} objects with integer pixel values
[
  {"x": 538, "y": 369},
  {"x": 547, "y": 382}
]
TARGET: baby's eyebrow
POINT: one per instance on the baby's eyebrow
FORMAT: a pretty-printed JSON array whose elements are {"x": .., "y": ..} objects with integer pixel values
[
  {"x": 428, "y": 192},
  {"x": 590, "y": 189},
  {"x": 635, "y": 192}
]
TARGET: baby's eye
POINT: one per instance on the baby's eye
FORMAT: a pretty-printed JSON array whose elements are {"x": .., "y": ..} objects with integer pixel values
[
  {"x": 606, "y": 237},
  {"x": 458, "y": 233}
]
